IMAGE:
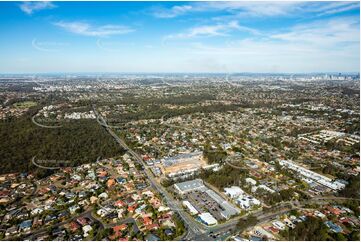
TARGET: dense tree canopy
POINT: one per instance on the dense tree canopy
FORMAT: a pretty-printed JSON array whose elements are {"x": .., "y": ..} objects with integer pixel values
[
  {"x": 353, "y": 188},
  {"x": 214, "y": 156},
  {"x": 76, "y": 142},
  {"x": 227, "y": 176},
  {"x": 244, "y": 223},
  {"x": 312, "y": 229}
]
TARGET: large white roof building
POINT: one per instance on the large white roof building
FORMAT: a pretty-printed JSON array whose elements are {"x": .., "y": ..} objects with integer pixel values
[
  {"x": 233, "y": 191},
  {"x": 188, "y": 186},
  {"x": 207, "y": 219},
  {"x": 323, "y": 180},
  {"x": 192, "y": 210}
]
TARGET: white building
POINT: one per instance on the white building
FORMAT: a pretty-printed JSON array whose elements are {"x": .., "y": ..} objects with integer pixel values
[
  {"x": 279, "y": 225},
  {"x": 264, "y": 187},
  {"x": 323, "y": 180},
  {"x": 228, "y": 210},
  {"x": 86, "y": 230},
  {"x": 259, "y": 231},
  {"x": 192, "y": 210},
  {"x": 207, "y": 219},
  {"x": 188, "y": 186},
  {"x": 251, "y": 181},
  {"x": 246, "y": 202},
  {"x": 319, "y": 214},
  {"x": 73, "y": 209},
  {"x": 233, "y": 191},
  {"x": 102, "y": 212}
]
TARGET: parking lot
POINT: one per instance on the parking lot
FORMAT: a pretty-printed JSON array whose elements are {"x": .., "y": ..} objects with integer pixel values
[{"x": 204, "y": 203}]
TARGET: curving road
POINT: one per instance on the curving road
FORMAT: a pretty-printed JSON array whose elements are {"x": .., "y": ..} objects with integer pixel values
[
  {"x": 44, "y": 126},
  {"x": 44, "y": 167}
]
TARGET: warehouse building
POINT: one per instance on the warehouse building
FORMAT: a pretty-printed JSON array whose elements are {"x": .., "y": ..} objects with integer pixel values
[
  {"x": 188, "y": 186},
  {"x": 207, "y": 219}
]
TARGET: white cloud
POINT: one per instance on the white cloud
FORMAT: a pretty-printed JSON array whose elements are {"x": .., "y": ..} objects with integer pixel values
[
  {"x": 172, "y": 12},
  {"x": 291, "y": 8},
  {"x": 114, "y": 46},
  {"x": 261, "y": 55},
  {"x": 333, "y": 7},
  {"x": 341, "y": 9},
  {"x": 31, "y": 7},
  {"x": 48, "y": 46},
  {"x": 325, "y": 33},
  {"x": 86, "y": 29},
  {"x": 221, "y": 29},
  {"x": 329, "y": 45},
  {"x": 258, "y": 9}
]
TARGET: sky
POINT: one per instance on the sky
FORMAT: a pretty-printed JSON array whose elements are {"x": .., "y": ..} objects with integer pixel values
[{"x": 227, "y": 37}]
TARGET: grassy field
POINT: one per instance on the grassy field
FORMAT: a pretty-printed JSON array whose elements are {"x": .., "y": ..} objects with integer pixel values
[{"x": 26, "y": 104}]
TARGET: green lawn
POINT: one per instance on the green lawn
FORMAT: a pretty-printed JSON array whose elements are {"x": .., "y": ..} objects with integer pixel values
[{"x": 26, "y": 104}]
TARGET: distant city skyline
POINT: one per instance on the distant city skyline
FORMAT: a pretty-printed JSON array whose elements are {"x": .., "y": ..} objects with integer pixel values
[{"x": 180, "y": 37}]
